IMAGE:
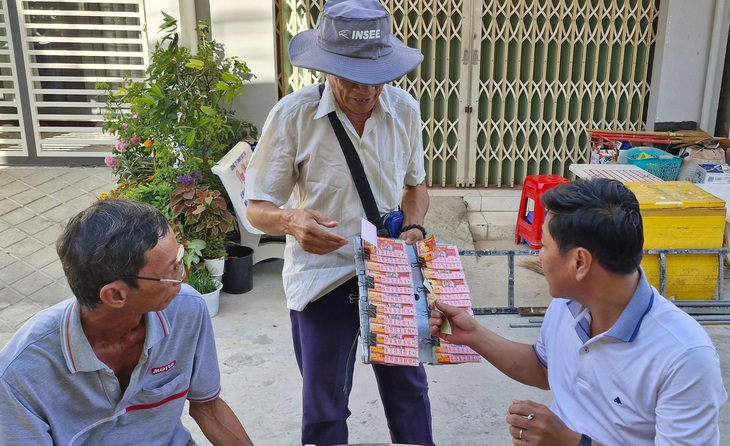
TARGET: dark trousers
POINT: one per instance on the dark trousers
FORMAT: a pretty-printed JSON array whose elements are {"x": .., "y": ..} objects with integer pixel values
[{"x": 324, "y": 334}]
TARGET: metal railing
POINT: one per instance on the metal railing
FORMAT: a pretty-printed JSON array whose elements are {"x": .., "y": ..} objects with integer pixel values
[{"x": 704, "y": 311}]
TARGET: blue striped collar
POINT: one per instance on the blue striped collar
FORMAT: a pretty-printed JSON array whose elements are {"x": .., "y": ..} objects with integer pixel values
[
  {"x": 77, "y": 350},
  {"x": 627, "y": 326}
]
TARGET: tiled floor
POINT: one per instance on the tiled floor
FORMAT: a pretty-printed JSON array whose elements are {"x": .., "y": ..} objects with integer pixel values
[{"x": 35, "y": 203}]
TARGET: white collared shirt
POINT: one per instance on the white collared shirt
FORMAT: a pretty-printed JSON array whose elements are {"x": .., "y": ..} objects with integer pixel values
[
  {"x": 299, "y": 157},
  {"x": 653, "y": 378}
]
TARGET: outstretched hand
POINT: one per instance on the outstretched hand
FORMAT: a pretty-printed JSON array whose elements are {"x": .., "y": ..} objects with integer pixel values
[
  {"x": 463, "y": 325},
  {"x": 310, "y": 229}
]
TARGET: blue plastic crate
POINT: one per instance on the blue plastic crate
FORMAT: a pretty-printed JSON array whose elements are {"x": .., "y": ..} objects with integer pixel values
[{"x": 660, "y": 163}]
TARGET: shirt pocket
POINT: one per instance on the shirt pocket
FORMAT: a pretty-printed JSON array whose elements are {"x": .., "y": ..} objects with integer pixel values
[
  {"x": 325, "y": 197},
  {"x": 388, "y": 188},
  {"x": 160, "y": 392}
]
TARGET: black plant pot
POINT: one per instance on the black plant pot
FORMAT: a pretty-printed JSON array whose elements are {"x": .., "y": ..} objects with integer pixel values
[{"x": 238, "y": 276}]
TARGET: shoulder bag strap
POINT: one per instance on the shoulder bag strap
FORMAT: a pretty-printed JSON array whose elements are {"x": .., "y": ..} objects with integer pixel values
[{"x": 358, "y": 173}]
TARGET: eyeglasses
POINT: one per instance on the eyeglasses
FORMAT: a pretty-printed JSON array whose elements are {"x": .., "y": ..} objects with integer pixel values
[{"x": 178, "y": 267}]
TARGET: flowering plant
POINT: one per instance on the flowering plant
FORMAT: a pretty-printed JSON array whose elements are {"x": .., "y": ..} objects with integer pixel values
[
  {"x": 172, "y": 127},
  {"x": 178, "y": 115}
]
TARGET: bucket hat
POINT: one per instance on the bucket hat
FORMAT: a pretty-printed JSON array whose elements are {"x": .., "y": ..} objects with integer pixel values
[{"x": 353, "y": 41}]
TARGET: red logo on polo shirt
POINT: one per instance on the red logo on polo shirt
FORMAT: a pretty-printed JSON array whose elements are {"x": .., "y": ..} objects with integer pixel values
[{"x": 164, "y": 368}]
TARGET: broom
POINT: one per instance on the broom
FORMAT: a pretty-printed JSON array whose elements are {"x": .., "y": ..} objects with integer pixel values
[
  {"x": 533, "y": 265},
  {"x": 681, "y": 138}
]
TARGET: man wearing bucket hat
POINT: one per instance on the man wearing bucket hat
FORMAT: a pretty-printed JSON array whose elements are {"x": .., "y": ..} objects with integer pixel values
[{"x": 300, "y": 161}]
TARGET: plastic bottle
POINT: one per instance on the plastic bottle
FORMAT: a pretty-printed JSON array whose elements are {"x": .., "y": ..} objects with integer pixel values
[{"x": 622, "y": 151}]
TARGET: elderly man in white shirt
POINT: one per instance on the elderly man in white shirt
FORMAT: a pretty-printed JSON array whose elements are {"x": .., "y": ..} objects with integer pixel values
[{"x": 299, "y": 160}]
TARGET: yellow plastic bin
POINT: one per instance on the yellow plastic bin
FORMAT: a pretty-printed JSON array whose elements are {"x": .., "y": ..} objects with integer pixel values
[{"x": 680, "y": 215}]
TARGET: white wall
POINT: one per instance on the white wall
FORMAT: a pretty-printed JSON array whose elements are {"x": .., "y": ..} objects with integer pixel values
[
  {"x": 153, "y": 12},
  {"x": 684, "y": 81},
  {"x": 246, "y": 29}
]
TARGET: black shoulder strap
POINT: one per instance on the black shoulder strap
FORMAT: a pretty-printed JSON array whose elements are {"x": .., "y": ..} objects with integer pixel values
[{"x": 356, "y": 170}]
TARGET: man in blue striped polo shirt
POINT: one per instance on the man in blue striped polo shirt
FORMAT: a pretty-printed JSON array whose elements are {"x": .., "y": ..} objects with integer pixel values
[{"x": 115, "y": 364}]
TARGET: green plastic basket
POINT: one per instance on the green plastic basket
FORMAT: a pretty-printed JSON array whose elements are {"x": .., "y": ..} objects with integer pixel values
[{"x": 661, "y": 164}]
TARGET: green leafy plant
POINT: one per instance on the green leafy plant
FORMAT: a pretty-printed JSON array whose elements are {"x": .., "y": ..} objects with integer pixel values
[
  {"x": 179, "y": 115},
  {"x": 193, "y": 252},
  {"x": 155, "y": 189},
  {"x": 215, "y": 247},
  {"x": 204, "y": 214}
]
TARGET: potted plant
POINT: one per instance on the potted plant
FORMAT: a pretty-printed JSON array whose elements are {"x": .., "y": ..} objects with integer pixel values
[
  {"x": 214, "y": 255},
  {"x": 215, "y": 247},
  {"x": 204, "y": 215},
  {"x": 209, "y": 287},
  {"x": 172, "y": 127}
]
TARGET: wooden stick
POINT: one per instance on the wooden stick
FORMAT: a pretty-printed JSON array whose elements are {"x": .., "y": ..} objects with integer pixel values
[
  {"x": 682, "y": 134},
  {"x": 637, "y": 133}
]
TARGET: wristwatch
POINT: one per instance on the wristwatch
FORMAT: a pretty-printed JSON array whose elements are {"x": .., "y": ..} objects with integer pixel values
[{"x": 585, "y": 440}]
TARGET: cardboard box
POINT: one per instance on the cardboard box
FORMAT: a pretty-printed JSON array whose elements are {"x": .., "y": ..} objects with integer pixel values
[
  {"x": 712, "y": 174},
  {"x": 681, "y": 215}
]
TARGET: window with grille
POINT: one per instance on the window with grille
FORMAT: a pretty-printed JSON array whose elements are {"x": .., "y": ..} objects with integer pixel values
[{"x": 69, "y": 46}]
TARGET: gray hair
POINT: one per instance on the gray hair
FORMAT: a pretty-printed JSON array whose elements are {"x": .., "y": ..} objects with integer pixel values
[{"x": 105, "y": 242}]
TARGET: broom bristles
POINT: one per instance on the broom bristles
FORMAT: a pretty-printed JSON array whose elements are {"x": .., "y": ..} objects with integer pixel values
[{"x": 533, "y": 265}]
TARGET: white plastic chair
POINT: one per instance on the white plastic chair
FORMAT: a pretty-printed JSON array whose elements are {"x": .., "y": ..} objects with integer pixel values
[{"x": 232, "y": 171}]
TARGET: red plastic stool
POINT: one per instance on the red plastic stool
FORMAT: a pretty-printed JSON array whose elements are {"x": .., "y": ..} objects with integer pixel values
[{"x": 533, "y": 187}]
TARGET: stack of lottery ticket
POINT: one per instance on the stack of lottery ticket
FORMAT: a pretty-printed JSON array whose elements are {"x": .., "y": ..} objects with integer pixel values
[
  {"x": 393, "y": 337},
  {"x": 444, "y": 279}
]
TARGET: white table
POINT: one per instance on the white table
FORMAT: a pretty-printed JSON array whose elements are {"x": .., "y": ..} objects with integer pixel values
[{"x": 621, "y": 172}]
